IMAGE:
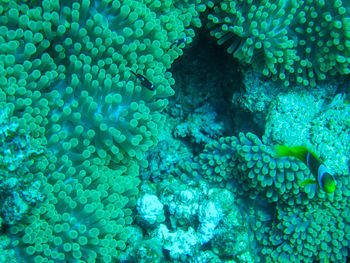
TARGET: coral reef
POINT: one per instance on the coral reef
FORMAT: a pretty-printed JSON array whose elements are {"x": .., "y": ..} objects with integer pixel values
[
  {"x": 150, "y": 210},
  {"x": 164, "y": 158},
  {"x": 292, "y": 116},
  {"x": 298, "y": 209},
  {"x": 201, "y": 126},
  {"x": 99, "y": 164},
  {"x": 231, "y": 239},
  {"x": 334, "y": 122},
  {"x": 19, "y": 150},
  {"x": 192, "y": 220}
]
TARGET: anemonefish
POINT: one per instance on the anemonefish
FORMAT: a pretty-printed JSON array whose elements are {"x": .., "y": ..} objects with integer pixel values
[
  {"x": 144, "y": 81},
  {"x": 323, "y": 178}
]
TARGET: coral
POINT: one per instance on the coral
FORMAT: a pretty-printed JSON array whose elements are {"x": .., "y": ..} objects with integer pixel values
[
  {"x": 289, "y": 118},
  {"x": 274, "y": 109},
  {"x": 160, "y": 163},
  {"x": 253, "y": 101},
  {"x": 147, "y": 251},
  {"x": 13, "y": 208},
  {"x": 257, "y": 94},
  {"x": 193, "y": 211},
  {"x": 150, "y": 209},
  {"x": 206, "y": 256},
  {"x": 184, "y": 202},
  {"x": 183, "y": 208},
  {"x": 294, "y": 41},
  {"x": 334, "y": 122},
  {"x": 20, "y": 150},
  {"x": 200, "y": 126},
  {"x": 209, "y": 216},
  {"x": 315, "y": 118},
  {"x": 139, "y": 249},
  {"x": 180, "y": 244},
  {"x": 223, "y": 197},
  {"x": 231, "y": 239}
]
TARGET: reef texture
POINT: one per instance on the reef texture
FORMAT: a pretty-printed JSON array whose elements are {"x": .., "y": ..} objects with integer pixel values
[{"x": 83, "y": 89}]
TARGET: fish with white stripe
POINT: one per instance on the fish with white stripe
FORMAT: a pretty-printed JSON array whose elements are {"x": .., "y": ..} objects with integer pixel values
[{"x": 324, "y": 179}]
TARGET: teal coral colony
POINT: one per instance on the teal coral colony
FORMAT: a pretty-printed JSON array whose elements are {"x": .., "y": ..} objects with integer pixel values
[{"x": 119, "y": 141}]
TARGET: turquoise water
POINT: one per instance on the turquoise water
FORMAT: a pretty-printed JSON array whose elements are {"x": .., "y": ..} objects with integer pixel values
[{"x": 145, "y": 131}]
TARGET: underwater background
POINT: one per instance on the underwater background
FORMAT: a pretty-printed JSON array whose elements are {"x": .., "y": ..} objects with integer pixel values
[{"x": 145, "y": 130}]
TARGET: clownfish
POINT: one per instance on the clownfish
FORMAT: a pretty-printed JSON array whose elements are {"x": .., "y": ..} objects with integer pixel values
[
  {"x": 323, "y": 178},
  {"x": 144, "y": 81}
]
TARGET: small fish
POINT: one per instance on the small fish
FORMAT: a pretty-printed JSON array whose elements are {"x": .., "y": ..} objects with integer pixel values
[
  {"x": 178, "y": 42},
  {"x": 323, "y": 178},
  {"x": 144, "y": 81}
]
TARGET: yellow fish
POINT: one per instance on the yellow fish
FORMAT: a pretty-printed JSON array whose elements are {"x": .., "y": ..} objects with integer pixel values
[{"x": 323, "y": 178}]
